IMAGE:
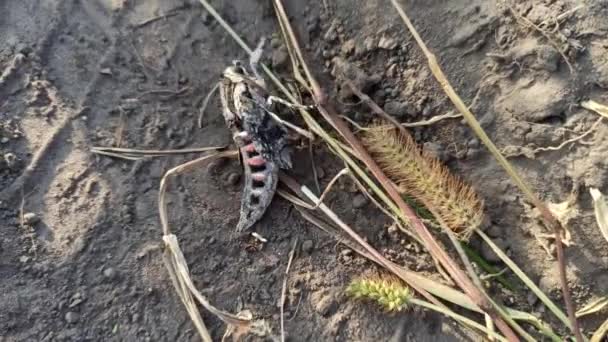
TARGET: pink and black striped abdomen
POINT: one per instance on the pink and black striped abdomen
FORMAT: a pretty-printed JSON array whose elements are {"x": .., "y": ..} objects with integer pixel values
[{"x": 261, "y": 177}]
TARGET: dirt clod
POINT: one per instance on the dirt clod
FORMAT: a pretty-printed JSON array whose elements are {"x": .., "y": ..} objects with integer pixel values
[
  {"x": 307, "y": 246},
  {"x": 30, "y": 218},
  {"x": 72, "y": 317},
  {"x": 488, "y": 254},
  {"x": 348, "y": 47},
  {"x": 109, "y": 273},
  {"x": 387, "y": 43},
  {"x": 233, "y": 178},
  {"x": 359, "y": 201},
  {"x": 279, "y": 58},
  {"x": 324, "y": 303},
  {"x": 11, "y": 160}
]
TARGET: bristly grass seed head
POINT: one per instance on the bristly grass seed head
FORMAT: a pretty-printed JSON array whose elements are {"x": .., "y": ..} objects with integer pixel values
[
  {"x": 389, "y": 293},
  {"x": 423, "y": 177}
]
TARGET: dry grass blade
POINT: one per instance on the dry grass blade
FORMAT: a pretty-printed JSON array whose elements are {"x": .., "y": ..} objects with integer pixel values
[
  {"x": 205, "y": 103},
  {"x": 592, "y": 307},
  {"x": 525, "y": 279},
  {"x": 420, "y": 123},
  {"x": 378, "y": 110},
  {"x": 420, "y": 283},
  {"x": 600, "y": 207},
  {"x": 432, "y": 120},
  {"x": 547, "y": 217},
  {"x": 600, "y": 333},
  {"x": 135, "y": 154},
  {"x": 184, "y": 294},
  {"x": 284, "y": 288},
  {"x": 596, "y": 107}
]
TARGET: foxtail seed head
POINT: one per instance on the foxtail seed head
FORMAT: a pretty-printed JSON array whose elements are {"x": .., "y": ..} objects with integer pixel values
[
  {"x": 423, "y": 177},
  {"x": 389, "y": 293}
]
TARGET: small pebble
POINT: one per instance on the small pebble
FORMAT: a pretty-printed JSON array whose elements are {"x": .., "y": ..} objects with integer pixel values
[
  {"x": 30, "y": 218},
  {"x": 369, "y": 43},
  {"x": 307, "y": 246},
  {"x": 393, "y": 229},
  {"x": 312, "y": 25},
  {"x": 325, "y": 305},
  {"x": 348, "y": 47},
  {"x": 279, "y": 58},
  {"x": 472, "y": 153},
  {"x": 387, "y": 43},
  {"x": 320, "y": 172},
  {"x": 473, "y": 143},
  {"x": 359, "y": 201},
  {"x": 109, "y": 273},
  {"x": 214, "y": 166},
  {"x": 5, "y": 140},
  {"x": 494, "y": 231},
  {"x": 71, "y": 317},
  {"x": 488, "y": 254},
  {"x": 395, "y": 108},
  {"x": 531, "y": 298},
  {"x": 547, "y": 284},
  {"x": 233, "y": 178},
  {"x": 11, "y": 160},
  {"x": 331, "y": 33}
]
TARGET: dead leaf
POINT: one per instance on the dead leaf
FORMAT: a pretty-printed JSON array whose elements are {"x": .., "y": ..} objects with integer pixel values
[
  {"x": 599, "y": 334},
  {"x": 596, "y": 107},
  {"x": 593, "y": 306},
  {"x": 601, "y": 211}
]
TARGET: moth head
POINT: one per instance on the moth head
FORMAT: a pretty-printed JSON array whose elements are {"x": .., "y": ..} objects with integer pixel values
[{"x": 235, "y": 72}]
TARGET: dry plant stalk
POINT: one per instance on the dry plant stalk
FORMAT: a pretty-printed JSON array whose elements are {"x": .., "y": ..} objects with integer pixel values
[{"x": 422, "y": 176}]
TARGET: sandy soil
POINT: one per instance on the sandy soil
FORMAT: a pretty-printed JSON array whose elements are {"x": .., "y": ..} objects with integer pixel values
[{"x": 86, "y": 264}]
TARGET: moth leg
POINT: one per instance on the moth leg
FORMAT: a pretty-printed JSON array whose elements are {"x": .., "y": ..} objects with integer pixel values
[
  {"x": 272, "y": 99},
  {"x": 206, "y": 103},
  {"x": 254, "y": 62},
  {"x": 299, "y": 130},
  {"x": 229, "y": 116}
]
